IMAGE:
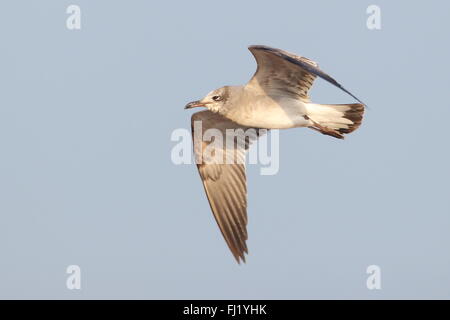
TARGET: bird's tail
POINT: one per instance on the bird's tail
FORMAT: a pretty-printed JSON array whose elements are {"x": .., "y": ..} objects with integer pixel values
[{"x": 335, "y": 119}]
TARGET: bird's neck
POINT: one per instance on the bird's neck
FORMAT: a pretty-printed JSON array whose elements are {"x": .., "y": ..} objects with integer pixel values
[{"x": 234, "y": 94}]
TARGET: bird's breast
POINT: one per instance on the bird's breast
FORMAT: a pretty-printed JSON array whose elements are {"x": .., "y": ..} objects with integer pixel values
[{"x": 271, "y": 114}]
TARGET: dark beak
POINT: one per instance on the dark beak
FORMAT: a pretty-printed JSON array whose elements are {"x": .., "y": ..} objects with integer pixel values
[{"x": 194, "y": 104}]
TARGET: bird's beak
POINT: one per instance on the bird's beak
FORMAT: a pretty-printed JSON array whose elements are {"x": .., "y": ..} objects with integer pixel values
[{"x": 194, "y": 104}]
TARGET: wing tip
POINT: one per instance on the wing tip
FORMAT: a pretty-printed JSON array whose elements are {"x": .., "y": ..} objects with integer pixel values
[
  {"x": 239, "y": 257},
  {"x": 239, "y": 253},
  {"x": 262, "y": 47}
]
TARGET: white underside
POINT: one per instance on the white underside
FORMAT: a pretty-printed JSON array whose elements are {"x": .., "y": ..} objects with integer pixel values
[
  {"x": 282, "y": 114},
  {"x": 285, "y": 113}
]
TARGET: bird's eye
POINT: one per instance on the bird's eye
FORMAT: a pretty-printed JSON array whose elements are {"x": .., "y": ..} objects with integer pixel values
[{"x": 217, "y": 98}]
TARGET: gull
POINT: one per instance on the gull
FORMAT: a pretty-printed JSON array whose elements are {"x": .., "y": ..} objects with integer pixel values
[{"x": 276, "y": 97}]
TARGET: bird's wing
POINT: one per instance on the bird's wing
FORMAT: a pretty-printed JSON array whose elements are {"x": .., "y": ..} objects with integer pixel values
[
  {"x": 281, "y": 73},
  {"x": 222, "y": 170}
]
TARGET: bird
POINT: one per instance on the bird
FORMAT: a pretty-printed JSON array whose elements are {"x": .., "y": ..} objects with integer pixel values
[{"x": 276, "y": 97}]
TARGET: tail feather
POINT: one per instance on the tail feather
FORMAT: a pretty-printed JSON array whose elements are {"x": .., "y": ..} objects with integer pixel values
[{"x": 335, "y": 119}]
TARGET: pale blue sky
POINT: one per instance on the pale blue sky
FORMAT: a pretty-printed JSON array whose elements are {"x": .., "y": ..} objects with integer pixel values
[{"x": 86, "y": 176}]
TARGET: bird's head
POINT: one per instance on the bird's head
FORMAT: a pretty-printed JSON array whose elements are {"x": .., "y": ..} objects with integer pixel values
[{"x": 214, "y": 101}]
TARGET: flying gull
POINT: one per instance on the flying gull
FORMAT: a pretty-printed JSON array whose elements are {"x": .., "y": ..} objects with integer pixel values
[{"x": 276, "y": 97}]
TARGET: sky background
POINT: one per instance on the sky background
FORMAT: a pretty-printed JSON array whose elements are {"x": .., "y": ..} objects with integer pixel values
[{"x": 86, "y": 176}]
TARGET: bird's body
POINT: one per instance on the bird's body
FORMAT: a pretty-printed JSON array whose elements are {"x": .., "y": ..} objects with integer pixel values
[
  {"x": 262, "y": 111},
  {"x": 276, "y": 97}
]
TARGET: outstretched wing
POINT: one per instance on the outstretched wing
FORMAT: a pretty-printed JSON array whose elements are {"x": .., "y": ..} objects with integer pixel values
[
  {"x": 283, "y": 73},
  {"x": 222, "y": 169}
]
